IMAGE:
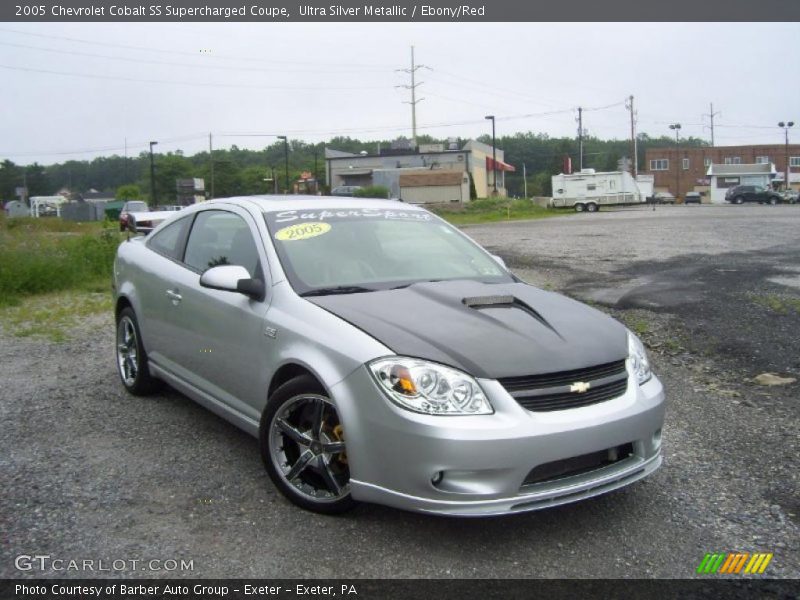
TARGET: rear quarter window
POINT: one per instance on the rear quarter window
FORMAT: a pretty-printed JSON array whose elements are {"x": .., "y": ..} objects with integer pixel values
[{"x": 169, "y": 241}]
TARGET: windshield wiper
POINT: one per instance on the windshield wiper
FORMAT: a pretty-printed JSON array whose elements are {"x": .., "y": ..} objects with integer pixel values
[
  {"x": 340, "y": 289},
  {"x": 405, "y": 285}
]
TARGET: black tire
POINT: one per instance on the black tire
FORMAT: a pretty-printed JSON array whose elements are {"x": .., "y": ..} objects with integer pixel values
[
  {"x": 591, "y": 207},
  {"x": 579, "y": 207},
  {"x": 773, "y": 200},
  {"x": 738, "y": 200},
  {"x": 132, "y": 358},
  {"x": 292, "y": 435}
]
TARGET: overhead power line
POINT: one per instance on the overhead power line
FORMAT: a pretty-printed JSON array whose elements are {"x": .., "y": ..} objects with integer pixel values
[
  {"x": 147, "y": 61},
  {"x": 127, "y": 146},
  {"x": 189, "y": 83},
  {"x": 162, "y": 51}
]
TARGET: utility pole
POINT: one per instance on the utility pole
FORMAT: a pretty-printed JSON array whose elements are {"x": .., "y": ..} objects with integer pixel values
[
  {"x": 413, "y": 87},
  {"x": 525, "y": 179},
  {"x": 316, "y": 181},
  {"x": 785, "y": 127},
  {"x": 153, "y": 199},
  {"x": 711, "y": 114},
  {"x": 677, "y": 128},
  {"x": 634, "y": 150},
  {"x": 580, "y": 138},
  {"x": 211, "y": 163},
  {"x": 124, "y": 162},
  {"x": 494, "y": 154},
  {"x": 286, "y": 158}
]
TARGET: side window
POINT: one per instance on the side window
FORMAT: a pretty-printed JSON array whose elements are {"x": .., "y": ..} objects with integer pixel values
[
  {"x": 169, "y": 241},
  {"x": 221, "y": 238}
]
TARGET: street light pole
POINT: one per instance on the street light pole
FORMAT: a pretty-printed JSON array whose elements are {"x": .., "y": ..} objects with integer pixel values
[
  {"x": 677, "y": 128},
  {"x": 286, "y": 158},
  {"x": 153, "y": 199},
  {"x": 316, "y": 181},
  {"x": 785, "y": 127},
  {"x": 494, "y": 154}
]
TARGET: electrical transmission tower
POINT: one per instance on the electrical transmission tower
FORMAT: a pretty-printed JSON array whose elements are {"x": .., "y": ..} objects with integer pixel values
[{"x": 413, "y": 87}]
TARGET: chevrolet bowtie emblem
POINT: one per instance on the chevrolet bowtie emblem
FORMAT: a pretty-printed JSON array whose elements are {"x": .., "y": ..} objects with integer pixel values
[{"x": 580, "y": 387}]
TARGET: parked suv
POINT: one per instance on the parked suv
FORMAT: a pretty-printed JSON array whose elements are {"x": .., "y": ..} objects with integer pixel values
[
  {"x": 752, "y": 193},
  {"x": 345, "y": 190}
]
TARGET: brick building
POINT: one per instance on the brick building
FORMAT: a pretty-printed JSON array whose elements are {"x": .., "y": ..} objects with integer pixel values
[{"x": 690, "y": 171}]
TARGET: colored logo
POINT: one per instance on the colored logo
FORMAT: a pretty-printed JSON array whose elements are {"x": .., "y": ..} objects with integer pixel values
[{"x": 735, "y": 562}]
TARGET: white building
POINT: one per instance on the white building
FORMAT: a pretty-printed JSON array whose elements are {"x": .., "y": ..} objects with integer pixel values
[
  {"x": 722, "y": 177},
  {"x": 428, "y": 164}
]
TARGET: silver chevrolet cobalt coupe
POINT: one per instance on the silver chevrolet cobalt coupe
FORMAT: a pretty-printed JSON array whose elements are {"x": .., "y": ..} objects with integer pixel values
[{"x": 380, "y": 355}]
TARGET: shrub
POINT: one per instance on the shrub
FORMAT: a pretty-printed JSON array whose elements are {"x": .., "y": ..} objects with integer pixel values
[
  {"x": 372, "y": 191},
  {"x": 33, "y": 261}
]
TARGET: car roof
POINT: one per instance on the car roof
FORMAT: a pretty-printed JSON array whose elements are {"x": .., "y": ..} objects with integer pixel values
[{"x": 271, "y": 203}]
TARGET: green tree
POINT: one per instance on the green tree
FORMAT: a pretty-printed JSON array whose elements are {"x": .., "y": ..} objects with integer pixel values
[
  {"x": 169, "y": 168},
  {"x": 10, "y": 179},
  {"x": 38, "y": 182},
  {"x": 128, "y": 192}
]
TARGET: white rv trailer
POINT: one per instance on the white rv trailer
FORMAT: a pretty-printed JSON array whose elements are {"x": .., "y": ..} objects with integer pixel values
[{"x": 588, "y": 190}]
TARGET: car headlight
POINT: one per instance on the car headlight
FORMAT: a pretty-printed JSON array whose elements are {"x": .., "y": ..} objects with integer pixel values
[
  {"x": 429, "y": 388},
  {"x": 639, "y": 360}
]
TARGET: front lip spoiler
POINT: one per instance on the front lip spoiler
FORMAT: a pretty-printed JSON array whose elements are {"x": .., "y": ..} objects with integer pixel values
[{"x": 546, "y": 495}]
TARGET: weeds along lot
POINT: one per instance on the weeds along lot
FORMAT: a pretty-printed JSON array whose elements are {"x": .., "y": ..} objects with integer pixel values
[
  {"x": 52, "y": 271},
  {"x": 489, "y": 210}
]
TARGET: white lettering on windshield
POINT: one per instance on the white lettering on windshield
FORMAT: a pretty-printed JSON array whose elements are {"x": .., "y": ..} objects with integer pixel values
[{"x": 366, "y": 213}]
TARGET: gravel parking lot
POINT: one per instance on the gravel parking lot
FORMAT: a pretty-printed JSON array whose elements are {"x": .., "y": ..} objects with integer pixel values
[{"x": 92, "y": 473}]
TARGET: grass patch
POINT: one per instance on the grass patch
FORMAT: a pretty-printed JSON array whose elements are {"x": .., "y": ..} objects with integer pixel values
[
  {"x": 779, "y": 304},
  {"x": 488, "y": 210},
  {"x": 39, "y": 256},
  {"x": 53, "y": 315},
  {"x": 637, "y": 325}
]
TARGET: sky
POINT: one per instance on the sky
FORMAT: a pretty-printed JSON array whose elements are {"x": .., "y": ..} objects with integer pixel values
[{"x": 77, "y": 91}]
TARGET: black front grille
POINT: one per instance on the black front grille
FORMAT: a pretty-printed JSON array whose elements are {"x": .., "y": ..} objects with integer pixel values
[
  {"x": 565, "y": 400},
  {"x": 535, "y": 382},
  {"x": 577, "y": 465},
  {"x": 569, "y": 389}
]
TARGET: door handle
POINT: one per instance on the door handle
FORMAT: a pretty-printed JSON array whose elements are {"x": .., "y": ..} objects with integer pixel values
[{"x": 174, "y": 296}]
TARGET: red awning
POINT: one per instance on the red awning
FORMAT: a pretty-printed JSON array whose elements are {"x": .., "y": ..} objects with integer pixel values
[{"x": 499, "y": 165}]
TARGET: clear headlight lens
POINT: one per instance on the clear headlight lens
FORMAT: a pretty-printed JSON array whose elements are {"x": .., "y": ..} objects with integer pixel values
[
  {"x": 429, "y": 388},
  {"x": 639, "y": 360}
]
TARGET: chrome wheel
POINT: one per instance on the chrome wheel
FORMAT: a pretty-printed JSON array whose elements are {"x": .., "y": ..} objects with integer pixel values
[
  {"x": 307, "y": 449},
  {"x": 127, "y": 351}
]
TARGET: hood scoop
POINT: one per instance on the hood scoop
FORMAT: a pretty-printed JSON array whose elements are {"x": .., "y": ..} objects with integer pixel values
[
  {"x": 481, "y": 302},
  {"x": 487, "y": 301}
]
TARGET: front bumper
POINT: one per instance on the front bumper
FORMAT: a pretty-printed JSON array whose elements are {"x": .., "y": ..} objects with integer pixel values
[{"x": 478, "y": 465}]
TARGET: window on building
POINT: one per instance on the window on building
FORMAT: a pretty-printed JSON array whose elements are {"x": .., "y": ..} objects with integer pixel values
[
  {"x": 762, "y": 160},
  {"x": 659, "y": 164},
  {"x": 733, "y": 160},
  {"x": 794, "y": 161},
  {"x": 685, "y": 164},
  {"x": 707, "y": 162}
]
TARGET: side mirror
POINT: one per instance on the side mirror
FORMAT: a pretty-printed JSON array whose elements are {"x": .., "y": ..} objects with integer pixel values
[
  {"x": 233, "y": 278},
  {"x": 499, "y": 261}
]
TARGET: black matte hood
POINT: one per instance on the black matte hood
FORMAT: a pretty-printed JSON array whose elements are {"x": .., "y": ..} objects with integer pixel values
[{"x": 487, "y": 330}]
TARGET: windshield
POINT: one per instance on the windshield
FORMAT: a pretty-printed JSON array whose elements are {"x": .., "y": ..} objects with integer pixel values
[
  {"x": 358, "y": 250},
  {"x": 136, "y": 207}
]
